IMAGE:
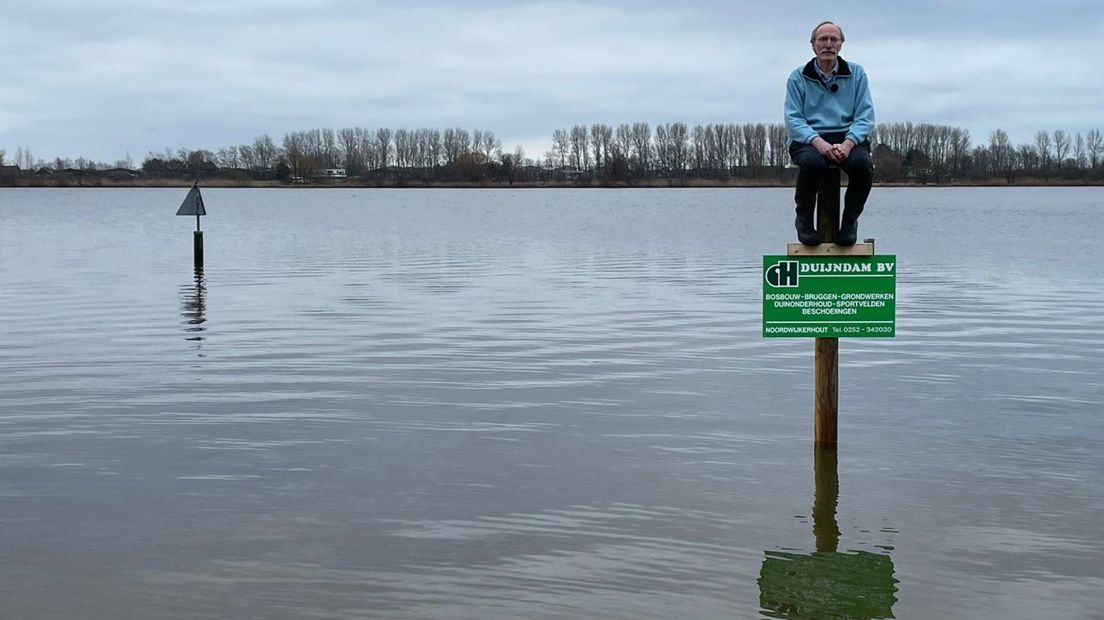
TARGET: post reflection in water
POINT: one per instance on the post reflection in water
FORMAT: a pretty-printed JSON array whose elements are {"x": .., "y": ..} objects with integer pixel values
[
  {"x": 827, "y": 583},
  {"x": 193, "y": 307},
  {"x": 825, "y": 499}
]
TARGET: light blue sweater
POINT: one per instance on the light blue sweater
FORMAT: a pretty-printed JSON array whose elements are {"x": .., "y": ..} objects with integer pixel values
[{"x": 813, "y": 109}]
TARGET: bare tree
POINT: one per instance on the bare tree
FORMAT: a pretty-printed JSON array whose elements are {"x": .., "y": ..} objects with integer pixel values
[
  {"x": 662, "y": 150},
  {"x": 329, "y": 156},
  {"x": 981, "y": 160},
  {"x": 226, "y": 158},
  {"x": 699, "y": 146},
  {"x": 434, "y": 149},
  {"x": 1000, "y": 153},
  {"x": 451, "y": 145},
  {"x": 600, "y": 138},
  {"x": 623, "y": 141},
  {"x": 247, "y": 157},
  {"x": 369, "y": 158},
  {"x": 642, "y": 145},
  {"x": 941, "y": 145},
  {"x": 561, "y": 146},
  {"x": 580, "y": 156},
  {"x": 680, "y": 142},
  {"x": 1028, "y": 157},
  {"x": 420, "y": 149},
  {"x": 383, "y": 146},
  {"x": 1042, "y": 146},
  {"x": 23, "y": 157},
  {"x": 297, "y": 147},
  {"x": 776, "y": 136},
  {"x": 1061, "y": 147},
  {"x": 265, "y": 152},
  {"x": 490, "y": 146},
  {"x": 716, "y": 151},
  {"x": 1094, "y": 146},
  {"x": 960, "y": 146},
  {"x": 901, "y": 137},
  {"x": 755, "y": 144},
  {"x": 402, "y": 148},
  {"x": 313, "y": 147},
  {"x": 728, "y": 138},
  {"x": 350, "y": 150},
  {"x": 464, "y": 141},
  {"x": 477, "y": 141}
]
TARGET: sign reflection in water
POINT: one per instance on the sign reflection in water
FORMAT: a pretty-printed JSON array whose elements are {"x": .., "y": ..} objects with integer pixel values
[{"x": 827, "y": 583}]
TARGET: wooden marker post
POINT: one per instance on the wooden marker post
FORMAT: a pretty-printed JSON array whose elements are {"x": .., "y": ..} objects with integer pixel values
[
  {"x": 827, "y": 207},
  {"x": 826, "y": 350},
  {"x": 826, "y": 391},
  {"x": 193, "y": 205}
]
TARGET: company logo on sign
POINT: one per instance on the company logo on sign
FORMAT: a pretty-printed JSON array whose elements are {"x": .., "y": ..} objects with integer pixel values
[{"x": 782, "y": 274}]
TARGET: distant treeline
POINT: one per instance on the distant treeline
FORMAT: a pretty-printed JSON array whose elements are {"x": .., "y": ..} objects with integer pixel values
[
  {"x": 920, "y": 152},
  {"x": 595, "y": 154}
]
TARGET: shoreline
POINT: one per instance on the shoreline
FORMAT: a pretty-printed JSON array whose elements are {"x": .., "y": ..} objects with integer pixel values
[{"x": 651, "y": 184}]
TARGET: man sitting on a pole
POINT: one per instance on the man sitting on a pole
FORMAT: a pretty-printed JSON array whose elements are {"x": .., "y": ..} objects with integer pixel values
[{"x": 829, "y": 116}]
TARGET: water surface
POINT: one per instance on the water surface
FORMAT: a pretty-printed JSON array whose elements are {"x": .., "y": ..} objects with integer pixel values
[{"x": 472, "y": 404}]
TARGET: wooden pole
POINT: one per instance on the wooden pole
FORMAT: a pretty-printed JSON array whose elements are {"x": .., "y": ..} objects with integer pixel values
[
  {"x": 828, "y": 205},
  {"x": 826, "y": 352},
  {"x": 826, "y": 391}
]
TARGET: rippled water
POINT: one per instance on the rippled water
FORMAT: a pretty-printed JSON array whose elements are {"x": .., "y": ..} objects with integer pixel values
[{"x": 472, "y": 404}]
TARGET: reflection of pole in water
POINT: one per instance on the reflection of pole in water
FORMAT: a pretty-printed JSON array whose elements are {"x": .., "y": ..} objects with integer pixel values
[
  {"x": 194, "y": 306},
  {"x": 825, "y": 498},
  {"x": 826, "y": 583}
]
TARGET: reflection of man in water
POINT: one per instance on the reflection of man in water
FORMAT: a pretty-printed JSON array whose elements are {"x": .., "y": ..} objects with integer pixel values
[{"x": 829, "y": 115}]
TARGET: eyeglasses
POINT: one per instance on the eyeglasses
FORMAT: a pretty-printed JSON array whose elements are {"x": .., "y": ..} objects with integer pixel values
[{"x": 827, "y": 39}]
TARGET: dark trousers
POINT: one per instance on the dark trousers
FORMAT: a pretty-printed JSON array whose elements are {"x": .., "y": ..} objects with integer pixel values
[{"x": 812, "y": 166}]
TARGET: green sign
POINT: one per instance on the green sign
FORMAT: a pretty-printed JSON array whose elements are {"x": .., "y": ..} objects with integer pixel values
[{"x": 829, "y": 296}]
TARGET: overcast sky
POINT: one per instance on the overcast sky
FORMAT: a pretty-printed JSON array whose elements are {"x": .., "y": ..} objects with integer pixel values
[{"x": 104, "y": 78}]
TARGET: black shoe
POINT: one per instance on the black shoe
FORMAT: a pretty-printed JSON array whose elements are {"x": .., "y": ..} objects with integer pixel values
[
  {"x": 849, "y": 233},
  {"x": 806, "y": 233}
]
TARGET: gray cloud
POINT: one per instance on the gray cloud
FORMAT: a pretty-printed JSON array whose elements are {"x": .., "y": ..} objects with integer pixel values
[{"x": 99, "y": 79}]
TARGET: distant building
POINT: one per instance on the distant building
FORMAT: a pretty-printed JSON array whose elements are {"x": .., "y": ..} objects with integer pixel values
[
  {"x": 332, "y": 173},
  {"x": 120, "y": 174},
  {"x": 381, "y": 174},
  {"x": 9, "y": 174},
  {"x": 235, "y": 173}
]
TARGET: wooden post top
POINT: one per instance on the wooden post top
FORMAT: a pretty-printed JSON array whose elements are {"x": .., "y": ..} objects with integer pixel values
[{"x": 830, "y": 249}]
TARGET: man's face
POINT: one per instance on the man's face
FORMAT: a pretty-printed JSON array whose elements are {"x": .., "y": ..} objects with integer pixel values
[{"x": 827, "y": 43}]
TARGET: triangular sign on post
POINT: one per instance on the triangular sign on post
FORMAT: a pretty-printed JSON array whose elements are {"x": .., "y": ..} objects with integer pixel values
[{"x": 193, "y": 203}]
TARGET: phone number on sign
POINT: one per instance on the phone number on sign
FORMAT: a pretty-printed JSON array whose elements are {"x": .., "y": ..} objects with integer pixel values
[{"x": 863, "y": 329}]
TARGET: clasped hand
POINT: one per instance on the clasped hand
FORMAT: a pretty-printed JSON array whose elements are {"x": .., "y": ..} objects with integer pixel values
[{"x": 834, "y": 153}]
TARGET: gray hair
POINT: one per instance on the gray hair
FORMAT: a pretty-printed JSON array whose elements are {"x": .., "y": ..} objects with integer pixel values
[{"x": 812, "y": 37}]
